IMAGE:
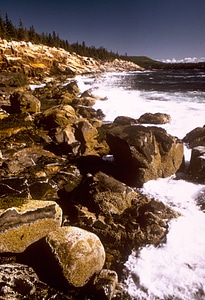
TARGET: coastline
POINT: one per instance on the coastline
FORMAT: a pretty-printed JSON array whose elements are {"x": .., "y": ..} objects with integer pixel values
[{"x": 52, "y": 145}]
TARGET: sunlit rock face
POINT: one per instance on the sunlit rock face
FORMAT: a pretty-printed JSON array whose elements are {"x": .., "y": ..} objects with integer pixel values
[
  {"x": 24, "y": 102},
  {"x": 43, "y": 61},
  {"x": 22, "y": 226},
  {"x": 122, "y": 217},
  {"x": 144, "y": 153},
  {"x": 79, "y": 253}
]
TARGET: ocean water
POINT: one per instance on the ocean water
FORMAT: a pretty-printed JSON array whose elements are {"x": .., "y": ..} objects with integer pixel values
[{"x": 175, "y": 269}]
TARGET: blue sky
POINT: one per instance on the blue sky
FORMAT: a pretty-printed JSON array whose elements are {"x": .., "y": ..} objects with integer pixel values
[{"x": 159, "y": 29}]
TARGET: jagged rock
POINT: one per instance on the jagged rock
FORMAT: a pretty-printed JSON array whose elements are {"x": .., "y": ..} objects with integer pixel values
[
  {"x": 87, "y": 112},
  {"x": 197, "y": 164},
  {"x": 21, "y": 226},
  {"x": 144, "y": 153},
  {"x": 105, "y": 284},
  {"x": 57, "y": 116},
  {"x": 40, "y": 61},
  {"x": 111, "y": 195},
  {"x": 87, "y": 134},
  {"x": 122, "y": 217},
  {"x": 117, "y": 66},
  {"x": 24, "y": 102},
  {"x": 19, "y": 281},
  {"x": 156, "y": 118},
  {"x": 25, "y": 158},
  {"x": 72, "y": 87},
  {"x": 195, "y": 137},
  {"x": 79, "y": 253}
]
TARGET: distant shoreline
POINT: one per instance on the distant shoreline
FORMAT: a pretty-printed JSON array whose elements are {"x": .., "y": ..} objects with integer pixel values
[{"x": 151, "y": 64}]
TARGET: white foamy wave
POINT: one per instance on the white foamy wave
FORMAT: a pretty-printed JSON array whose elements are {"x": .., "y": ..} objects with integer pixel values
[
  {"x": 186, "y": 111},
  {"x": 176, "y": 269},
  {"x": 179, "y": 194}
]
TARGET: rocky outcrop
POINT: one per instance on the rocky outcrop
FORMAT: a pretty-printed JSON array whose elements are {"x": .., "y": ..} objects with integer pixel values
[
  {"x": 195, "y": 137},
  {"x": 197, "y": 164},
  {"x": 24, "y": 225},
  {"x": 119, "y": 66},
  {"x": 106, "y": 284},
  {"x": 25, "y": 158},
  {"x": 24, "y": 102},
  {"x": 79, "y": 253},
  {"x": 41, "y": 61},
  {"x": 83, "y": 169},
  {"x": 21, "y": 282},
  {"x": 156, "y": 118},
  {"x": 123, "y": 120},
  {"x": 123, "y": 218},
  {"x": 144, "y": 153}
]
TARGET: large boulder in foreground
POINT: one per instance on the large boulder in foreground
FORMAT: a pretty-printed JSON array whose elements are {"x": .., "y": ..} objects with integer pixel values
[
  {"x": 27, "y": 223},
  {"x": 144, "y": 153},
  {"x": 80, "y": 253}
]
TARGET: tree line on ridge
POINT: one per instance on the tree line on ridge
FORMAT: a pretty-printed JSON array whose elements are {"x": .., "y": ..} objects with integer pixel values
[{"x": 10, "y": 32}]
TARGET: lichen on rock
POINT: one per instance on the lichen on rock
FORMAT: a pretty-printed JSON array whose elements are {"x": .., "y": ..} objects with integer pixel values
[{"x": 79, "y": 253}]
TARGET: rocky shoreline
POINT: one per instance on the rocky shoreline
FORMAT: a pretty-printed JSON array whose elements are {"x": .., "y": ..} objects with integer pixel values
[{"x": 71, "y": 207}]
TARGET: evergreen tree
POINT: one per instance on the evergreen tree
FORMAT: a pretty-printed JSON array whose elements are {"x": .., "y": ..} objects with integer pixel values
[
  {"x": 22, "y": 33},
  {"x": 32, "y": 35},
  {"x": 2, "y": 28},
  {"x": 11, "y": 31}
]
